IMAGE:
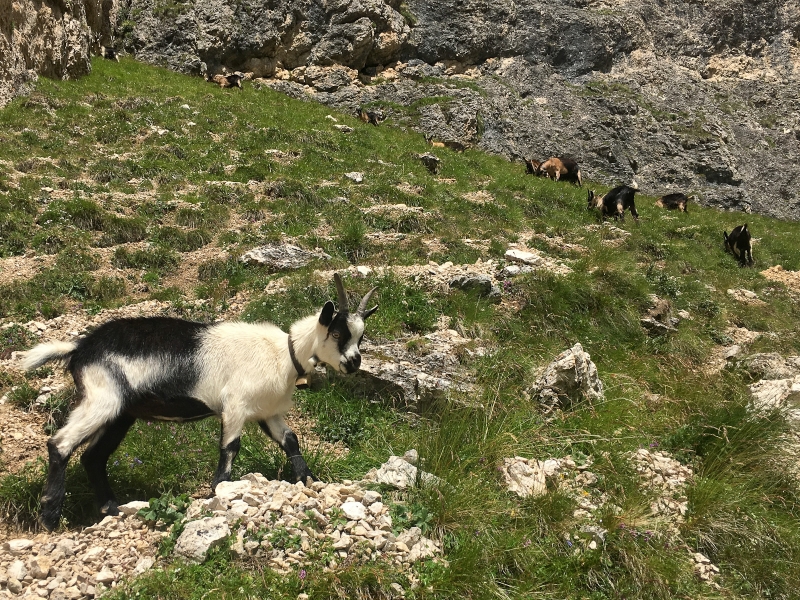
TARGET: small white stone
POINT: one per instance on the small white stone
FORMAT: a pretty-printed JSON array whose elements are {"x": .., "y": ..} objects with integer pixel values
[
  {"x": 232, "y": 490},
  {"x": 355, "y": 176},
  {"x": 354, "y": 511},
  {"x": 131, "y": 508},
  {"x": 105, "y": 577},
  {"x": 17, "y": 570},
  {"x": 143, "y": 565},
  {"x": 18, "y": 546}
]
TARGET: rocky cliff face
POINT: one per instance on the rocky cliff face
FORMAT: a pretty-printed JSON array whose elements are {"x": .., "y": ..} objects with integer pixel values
[
  {"x": 49, "y": 37},
  {"x": 698, "y": 96}
]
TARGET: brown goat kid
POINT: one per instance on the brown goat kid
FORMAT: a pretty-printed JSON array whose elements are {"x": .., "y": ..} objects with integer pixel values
[
  {"x": 532, "y": 166},
  {"x": 228, "y": 81},
  {"x": 558, "y": 168}
]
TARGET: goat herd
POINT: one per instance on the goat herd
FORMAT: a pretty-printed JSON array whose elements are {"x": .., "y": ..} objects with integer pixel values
[{"x": 619, "y": 199}]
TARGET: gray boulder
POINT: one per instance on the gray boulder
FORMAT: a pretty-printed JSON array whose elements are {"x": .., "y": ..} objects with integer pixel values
[
  {"x": 481, "y": 284},
  {"x": 571, "y": 377},
  {"x": 280, "y": 257}
]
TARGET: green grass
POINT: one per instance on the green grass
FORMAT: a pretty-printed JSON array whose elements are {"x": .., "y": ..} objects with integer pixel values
[{"x": 133, "y": 186}]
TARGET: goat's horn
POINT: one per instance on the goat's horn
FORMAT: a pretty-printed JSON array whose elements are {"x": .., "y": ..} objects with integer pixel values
[
  {"x": 342, "y": 294},
  {"x": 362, "y": 306}
]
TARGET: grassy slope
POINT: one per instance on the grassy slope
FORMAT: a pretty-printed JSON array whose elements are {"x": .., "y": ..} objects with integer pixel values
[{"x": 96, "y": 136}]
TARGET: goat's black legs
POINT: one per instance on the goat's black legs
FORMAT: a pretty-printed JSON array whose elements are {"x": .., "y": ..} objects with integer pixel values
[
  {"x": 227, "y": 452},
  {"x": 278, "y": 430},
  {"x": 87, "y": 421},
  {"x": 95, "y": 460},
  {"x": 53, "y": 495}
]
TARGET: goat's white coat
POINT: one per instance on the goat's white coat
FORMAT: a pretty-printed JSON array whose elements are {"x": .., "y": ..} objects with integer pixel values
[
  {"x": 101, "y": 404},
  {"x": 246, "y": 375}
]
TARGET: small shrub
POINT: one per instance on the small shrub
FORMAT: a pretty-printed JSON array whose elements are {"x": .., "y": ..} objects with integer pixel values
[
  {"x": 14, "y": 338},
  {"x": 23, "y": 396},
  {"x": 209, "y": 216},
  {"x": 122, "y": 230},
  {"x": 158, "y": 259},
  {"x": 180, "y": 240}
]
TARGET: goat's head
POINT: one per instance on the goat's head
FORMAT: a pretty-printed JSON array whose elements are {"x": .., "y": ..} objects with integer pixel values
[
  {"x": 593, "y": 201},
  {"x": 532, "y": 166},
  {"x": 343, "y": 331}
]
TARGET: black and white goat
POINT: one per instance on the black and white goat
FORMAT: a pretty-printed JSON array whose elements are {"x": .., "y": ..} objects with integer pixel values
[
  {"x": 739, "y": 244},
  {"x": 614, "y": 203},
  {"x": 373, "y": 117},
  {"x": 109, "y": 53},
  {"x": 174, "y": 370}
]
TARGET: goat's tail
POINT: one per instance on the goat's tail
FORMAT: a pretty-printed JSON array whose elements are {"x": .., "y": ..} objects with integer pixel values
[{"x": 44, "y": 353}]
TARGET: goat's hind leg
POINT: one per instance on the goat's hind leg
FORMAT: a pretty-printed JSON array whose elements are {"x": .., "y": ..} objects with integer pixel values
[
  {"x": 95, "y": 459},
  {"x": 81, "y": 426},
  {"x": 276, "y": 428},
  {"x": 230, "y": 438}
]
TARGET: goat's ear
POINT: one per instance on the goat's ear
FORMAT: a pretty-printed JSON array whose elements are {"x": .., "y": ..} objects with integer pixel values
[
  {"x": 368, "y": 312},
  {"x": 326, "y": 316}
]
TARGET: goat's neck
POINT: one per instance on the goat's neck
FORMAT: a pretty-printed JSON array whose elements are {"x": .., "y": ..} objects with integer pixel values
[{"x": 303, "y": 334}]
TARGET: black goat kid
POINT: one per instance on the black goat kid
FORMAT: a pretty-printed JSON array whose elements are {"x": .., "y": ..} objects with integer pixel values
[{"x": 739, "y": 244}]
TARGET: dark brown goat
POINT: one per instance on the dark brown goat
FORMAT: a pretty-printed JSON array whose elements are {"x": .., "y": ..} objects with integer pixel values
[
  {"x": 676, "y": 201},
  {"x": 614, "y": 203}
]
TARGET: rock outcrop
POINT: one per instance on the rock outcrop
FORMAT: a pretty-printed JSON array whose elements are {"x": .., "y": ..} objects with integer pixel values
[
  {"x": 571, "y": 377},
  {"x": 693, "y": 97},
  {"x": 54, "y": 39}
]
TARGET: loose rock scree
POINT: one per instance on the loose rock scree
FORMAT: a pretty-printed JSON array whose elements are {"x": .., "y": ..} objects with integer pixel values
[{"x": 170, "y": 369}]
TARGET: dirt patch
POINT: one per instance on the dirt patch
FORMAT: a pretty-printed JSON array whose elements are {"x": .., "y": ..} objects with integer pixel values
[
  {"x": 22, "y": 438},
  {"x": 23, "y": 268},
  {"x": 791, "y": 279},
  {"x": 185, "y": 278}
]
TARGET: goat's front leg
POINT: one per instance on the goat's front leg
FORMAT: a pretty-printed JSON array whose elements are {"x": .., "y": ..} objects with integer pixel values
[
  {"x": 229, "y": 443},
  {"x": 276, "y": 428}
]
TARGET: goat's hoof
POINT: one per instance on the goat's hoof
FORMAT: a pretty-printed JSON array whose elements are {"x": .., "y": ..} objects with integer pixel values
[
  {"x": 110, "y": 508},
  {"x": 49, "y": 520}
]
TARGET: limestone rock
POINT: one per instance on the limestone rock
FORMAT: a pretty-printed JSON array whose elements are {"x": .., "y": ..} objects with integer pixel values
[
  {"x": 282, "y": 256},
  {"x": 431, "y": 162},
  {"x": 770, "y": 366},
  {"x": 399, "y": 473},
  {"x": 17, "y": 570},
  {"x": 524, "y": 257},
  {"x": 17, "y": 546},
  {"x": 198, "y": 536},
  {"x": 131, "y": 508},
  {"x": 355, "y": 511},
  {"x": 482, "y": 284},
  {"x": 524, "y": 477},
  {"x": 571, "y": 377}
]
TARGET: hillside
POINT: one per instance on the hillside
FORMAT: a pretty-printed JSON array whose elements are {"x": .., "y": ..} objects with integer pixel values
[
  {"x": 698, "y": 97},
  {"x": 136, "y": 191}
]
